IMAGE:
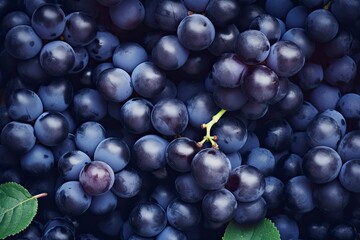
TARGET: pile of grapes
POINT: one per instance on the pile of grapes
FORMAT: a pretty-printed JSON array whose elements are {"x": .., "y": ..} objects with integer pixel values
[{"x": 168, "y": 119}]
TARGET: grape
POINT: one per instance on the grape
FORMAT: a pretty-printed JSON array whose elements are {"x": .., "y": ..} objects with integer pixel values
[
  {"x": 80, "y": 29},
  {"x": 300, "y": 38},
  {"x": 196, "y": 32},
  {"x": 347, "y": 105},
  {"x": 268, "y": 25},
  {"x": 88, "y": 105},
  {"x": 341, "y": 71},
  {"x": 111, "y": 224},
  {"x": 31, "y": 71},
  {"x": 262, "y": 159},
  {"x": 148, "y": 152},
  {"x": 274, "y": 192},
  {"x": 65, "y": 146},
  {"x": 219, "y": 205},
  {"x": 211, "y": 169},
  {"x": 171, "y": 233},
  {"x": 95, "y": 73},
  {"x": 321, "y": 164},
  {"x": 127, "y": 14},
  {"x": 57, "y": 58},
  {"x": 71, "y": 199},
  {"x": 296, "y": 17},
  {"x": 22, "y": 42},
  {"x": 96, "y": 178},
  {"x": 71, "y": 163},
  {"x": 57, "y": 95},
  {"x": 188, "y": 189},
  {"x": 169, "y": 117},
  {"x": 246, "y": 183},
  {"x": 48, "y": 21},
  {"x": 299, "y": 194},
  {"x": 128, "y": 56},
  {"x": 148, "y": 80},
  {"x": 292, "y": 165},
  {"x": 348, "y": 175},
  {"x": 168, "y": 14},
  {"x": 252, "y": 46},
  {"x": 182, "y": 215},
  {"x": 222, "y": 12},
  {"x": 340, "y": 45},
  {"x": 277, "y": 134},
  {"x": 250, "y": 212},
  {"x": 115, "y": 84},
  {"x": 103, "y": 46},
  {"x": 299, "y": 144},
  {"x": 278, "y": 8},
  {"x": 180, "y": 153},
  {"x": 229, "y": 71},
  {"x": 24, "y": 105},
  {"x": 13, "y": 19},
  {"x": 196, "y": 6},
  {"x": 331, "y": 196},
  {"x": 321, "y": 25},
  {"x": 301, "y": 119},
  {"x": 310, "y": 76},
  {"x": 59, "y": 229},
  {"x": 147, "y": 219},
  {"x": 230, "y": 99},
  {"x": 51, "y": 128},
  {"x": 135, "y": 114},
  {"x": 103, "y": 204},
  {"x": 169, "y": 54},
  {"x": 81, "y": 59},
  {"x": 332, "y": 97},
  {"x": 287, "y": 226},
  {"x": 127, "y": 183},
  {"x": 162, "y": 195},
  {"x": 224, "y": 41},
  {"x": 38, "y": 160}
]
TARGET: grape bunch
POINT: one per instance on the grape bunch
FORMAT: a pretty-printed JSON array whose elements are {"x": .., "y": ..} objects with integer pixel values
[{"x": 168, "y": 119}]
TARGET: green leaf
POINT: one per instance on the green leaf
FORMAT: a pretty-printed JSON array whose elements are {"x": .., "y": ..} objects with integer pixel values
[
  {"x": 265, "y": 230},
  {"x": 17, "y": 208}
]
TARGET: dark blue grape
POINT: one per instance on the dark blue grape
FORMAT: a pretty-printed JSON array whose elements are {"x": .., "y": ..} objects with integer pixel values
[
  {"x": 277, "y": 134},
  {"x": 349, "y": 176},
  {"x": 331, "y": 196},
  {"x": 103, "y": 46},
  {"x": 38, "y": 160},
  {"x": 347, "y": 105},
  {"x": 274, "y": 192},
  {"x": 296, "y": 17},
  {"x": 345, "y": 11},
  {"x": 278, "y": 8},
  {"x": 268, "y": 25},
  {"x": 13, "y": 19},
  {"x": 300, "y": 38},
  {"x": 262, "y": 159},
  {"x": 127, "y": 14},
  {"x": 249, "y": 13},
  {"x": 169, "y": 54},
  {"x": 180, "y": 153},
  {"x": 128, "y": 56},
  {"x": 170, "y": 117},
  {"x": 340, "y": 45},
  {"x": 48, "y": 21},
  {"x": 301, "y": 119},
  {"x": 188, "y": 189},
  {"x": 31, "y": 71},
  {"x": 71, "y": 163},
  {"x": 163, "y": 195},
  {"x": 246, "y": 183},
  {"x": 196, "y": 32},
  {"x": 188, "y": 89},
  {"x": 252, "y": 46},
  {"x": 57, "y": 58},
  {"x": 341, "y": 71},
  {"x": 229, "y": 71},
  {"x": 88, "y": 105},
  {"x": 71, "y": 121},
  {"x": 51, "y": 128},
  {"x": 292, "y": 165},
  {"x": 310, "y": 76},
  {"x": 348, "y": 146},
  {"x": 135, "y": 115},
  {"x": 222, "y": 12},
  {"x": 338, "y": 117},
  {"x": 95, "y": 73},
  {"x": 230, "y": 99},
  {"x": 148, "y": 219},
  {"x": 285, "y": 58},
  {"x": 111, "y": 224},
  {"x": 88, "y": 136},
  {"x": 148, "y": 152},
  {"x": 324, "y": 91},
  {"x": 342, "y": 232},
  {"x": 321, "y": 164},
  {"x": 80, "y": 29},
  {"x": 321, "y": 25},
  {"x": 59, "y": 229},
  {"x": 231, "y": 134},
  {"x": 127, "y": 183},
  {"x": 22, "y": 42},
  {"x": 24, "y": 105},
  {"x": 250, "y": 212},
  {"x": 196, "y": 6},
  {"x": 71, "y": 199},
  {"x": 292, "y": 101},
  {"x": 299, "y": 194},
  {"x": 211, "y": 169},
  {"x": 171, "y": 233},
  {"x": 254, "y": 110},
  {"x": 96, "y": 178},
  {"x": 65, "y": 146},
  {"x": 148, "y": 80},
  {"x": 219, "y": 206},
  {"x": 224, "y": 41},
  {"x": 168, "y": 14},
  {"x": 81, "y": 59},
  {"x": 115, "y": 84},
  {"x": 103, "y": 204},
  {"x": 287, "y": 227},
  {"x": 57, "y": 95},
  {"x": 182, "y": 215}
]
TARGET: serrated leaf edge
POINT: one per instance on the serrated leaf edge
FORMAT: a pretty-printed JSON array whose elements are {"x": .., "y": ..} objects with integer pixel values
[{"x": 36, "y": 208}]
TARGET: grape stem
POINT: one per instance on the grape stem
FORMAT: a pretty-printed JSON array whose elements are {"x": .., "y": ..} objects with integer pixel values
[
  {"x": 40, "y": 195},
  {"x": 208, "y": 126}
]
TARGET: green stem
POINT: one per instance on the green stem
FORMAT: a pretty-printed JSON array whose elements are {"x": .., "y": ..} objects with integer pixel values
[
  {"x": 327, "y": 6},
  {"x": 208, "y": 126}
]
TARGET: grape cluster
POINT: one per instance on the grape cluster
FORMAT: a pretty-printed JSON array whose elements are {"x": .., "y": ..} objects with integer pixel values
[{"x": 168, "y": 119}]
